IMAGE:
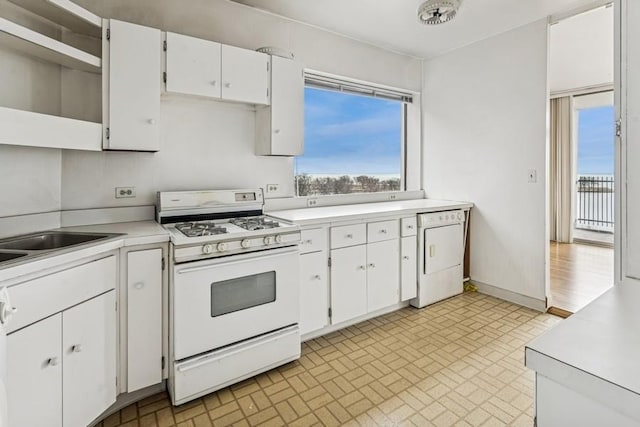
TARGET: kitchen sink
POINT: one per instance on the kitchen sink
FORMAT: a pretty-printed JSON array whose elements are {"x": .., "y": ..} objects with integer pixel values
[
  {"x": 50, "y": 241},
  {"x": 8, "y": 256}
]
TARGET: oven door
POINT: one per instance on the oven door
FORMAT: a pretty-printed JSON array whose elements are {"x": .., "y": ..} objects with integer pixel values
[{"x": 222, "y": 301}]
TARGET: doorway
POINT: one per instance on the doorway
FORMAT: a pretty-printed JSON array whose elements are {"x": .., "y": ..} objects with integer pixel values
[{"x": 581, "y": 160}]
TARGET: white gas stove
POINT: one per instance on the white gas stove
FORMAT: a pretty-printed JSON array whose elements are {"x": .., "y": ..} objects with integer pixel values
[
  {"x": 208, "y": 224},
  {"x": 233, "y": 289}
]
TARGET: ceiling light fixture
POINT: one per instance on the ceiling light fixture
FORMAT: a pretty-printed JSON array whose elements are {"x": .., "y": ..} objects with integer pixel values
[{"x": 433, "y": 12}]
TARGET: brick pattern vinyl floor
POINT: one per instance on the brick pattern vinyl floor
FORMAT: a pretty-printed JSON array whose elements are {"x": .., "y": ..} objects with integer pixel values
[{"x": 457, "y": 363}]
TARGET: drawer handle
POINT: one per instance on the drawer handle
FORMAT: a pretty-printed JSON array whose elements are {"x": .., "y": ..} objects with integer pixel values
[
  {"x": 213, "y": 83},
  {"x": 139, "y": 285},
  {"x": 432, "y": 251},
  {"x": 227, "y": 85},
  {"x": 405, "y": 257},
  {"x": 372, "y": 265},
  {"x": 309, "y": 242},
  {"x": 383, "y": 231},
  {"x": 76, "y": 348},
  {"x": 349, "y": 236},
  {"x": 410, "y": 227},
  {"x": 362, "y": 267},
  {"x": 317, "y": 277},
  {"x": 53, "y": 361}
]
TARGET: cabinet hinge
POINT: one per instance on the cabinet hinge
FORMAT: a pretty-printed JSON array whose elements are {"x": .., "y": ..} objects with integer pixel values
[
  {"x": 618, "y": 127},
  {"x": 108, "y": 33},
  {"x": 108, "y": 133},
  {"x": 116, "y": 382},
  {"x": 163, "y": 264},
  {"x": 164, "y": 76},
  {"x": 330, "y": 312},
  {"x": 267, "y": 67},
  {"x": 164, "y": 45},
  {"x": 162, "y": 362},
  {"x": 267, "y": 92},
  {"x": 329, "y": 262}
]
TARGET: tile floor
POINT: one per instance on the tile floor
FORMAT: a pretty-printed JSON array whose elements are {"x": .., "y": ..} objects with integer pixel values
[{"x": 459, "y": 362}]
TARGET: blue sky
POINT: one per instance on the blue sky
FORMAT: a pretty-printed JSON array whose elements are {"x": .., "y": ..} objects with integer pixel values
[
  {"x": 348, "y": 134},
  {"x": 596, "y": 141}
]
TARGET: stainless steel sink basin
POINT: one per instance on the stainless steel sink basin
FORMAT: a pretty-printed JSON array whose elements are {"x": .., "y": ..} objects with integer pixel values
[
  {"x": 50, "y": 241},
  {"x": 8, "y": 256}
]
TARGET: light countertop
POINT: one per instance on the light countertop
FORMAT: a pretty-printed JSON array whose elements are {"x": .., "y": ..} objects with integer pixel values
[
  {"x": 134, "y": 233},
  {"x": 327, "y": 214},
  {"x": 599, "y": 346}
]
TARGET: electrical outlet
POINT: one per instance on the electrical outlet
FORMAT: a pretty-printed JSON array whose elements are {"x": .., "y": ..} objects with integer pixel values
[
  {"x": 125, "y": 192},
  {"x": 392, "y": 196},
  {"x": 533, "y": 176},
  {"x": 272, "y": 188},
  {"x": 312, "y": 202}
]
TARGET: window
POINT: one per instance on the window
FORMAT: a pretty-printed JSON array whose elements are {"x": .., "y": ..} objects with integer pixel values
[{"x": 354, "y": 140}]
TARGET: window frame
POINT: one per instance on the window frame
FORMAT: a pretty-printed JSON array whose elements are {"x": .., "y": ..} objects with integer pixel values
[{"x": 411, "y": 129}]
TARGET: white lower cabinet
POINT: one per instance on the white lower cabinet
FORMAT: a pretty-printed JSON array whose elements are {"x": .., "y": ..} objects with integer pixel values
[
  {"x": 144, "y": 318},
  {"x": 88, "y": 359},
  {"x": 62, "y": 370},
  {"x": 348, "y": 283},
  {"x": 408, "y": 268},
  {"x": 314, "y": 298},
  {"x": 383, "y": 272},
  {"x": 34, "y": 381}
]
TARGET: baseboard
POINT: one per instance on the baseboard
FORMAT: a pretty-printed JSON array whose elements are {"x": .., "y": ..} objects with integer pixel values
[
  {"x": 510, "y": 296},
  {"x": 593, "y": 243}
]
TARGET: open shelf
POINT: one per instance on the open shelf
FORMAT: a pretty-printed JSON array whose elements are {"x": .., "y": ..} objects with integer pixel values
[
  {"x": 19, "y": 127},
  {"x": 33, "y": 43},
  {"x": 65, "y": 13}
]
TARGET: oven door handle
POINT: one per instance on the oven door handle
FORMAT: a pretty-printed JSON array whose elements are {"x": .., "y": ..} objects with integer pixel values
[{"x": 260, "y": 256}]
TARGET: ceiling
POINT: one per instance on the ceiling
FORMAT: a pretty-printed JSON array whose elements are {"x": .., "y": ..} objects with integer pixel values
[{"x": 393, "y": 24}]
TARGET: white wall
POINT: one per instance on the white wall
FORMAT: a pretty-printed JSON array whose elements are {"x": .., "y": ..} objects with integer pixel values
[
  {"x": 485, "y": 125},
  {"x": 581, "y": 51},
  {"x": 208, "y": 144}
]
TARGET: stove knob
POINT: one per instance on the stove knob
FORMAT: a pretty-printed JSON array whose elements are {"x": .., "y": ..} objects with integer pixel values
[
  {"x": 245, "y": 243},
  {"x": 207, "y": 249},
  {"x": 459, "y": 215},
  {"x": 222, "y": 247},
  {"x": 268, "y": 240},
  {"x": 278, "y": 239}
]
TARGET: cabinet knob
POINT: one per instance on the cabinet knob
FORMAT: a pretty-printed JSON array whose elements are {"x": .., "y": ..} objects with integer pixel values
[
  {"x": 76, "y": 348},
  {"x": 372, "y": 265},
  {"x": 362, "y": 267},
  {"x": 317, "y": 277},
  {"x": 6, "y": 311},
  {"x": 227, "y": 85},
  {"x": 53, "y": 361},
  {"x": 276, "y": 131},
  {"x": 410, "y": 227},
  {"x": 213, "y": 83},
  {"x": 383, "y": 231},
  {"x": 308, "y": 242},
  {"x": 349, "y": 236},
  {"x": 405, "y": 257},
  {"x": 139, "y": 285},
  {"x": 152, "y": 121}
]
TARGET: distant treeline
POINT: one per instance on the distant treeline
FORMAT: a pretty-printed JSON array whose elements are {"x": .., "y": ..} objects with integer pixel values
[{"x": 309, "y": 186}]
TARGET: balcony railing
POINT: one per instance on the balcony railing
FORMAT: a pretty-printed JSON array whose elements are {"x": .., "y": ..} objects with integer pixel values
[{"x": 595, "y": 203}]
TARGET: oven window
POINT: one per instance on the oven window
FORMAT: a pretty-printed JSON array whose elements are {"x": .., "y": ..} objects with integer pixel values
[{"x": 242, "y": 293}]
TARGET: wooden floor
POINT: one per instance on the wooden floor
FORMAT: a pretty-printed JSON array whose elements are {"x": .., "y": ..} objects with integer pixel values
[{"x": 579, "y": 274}]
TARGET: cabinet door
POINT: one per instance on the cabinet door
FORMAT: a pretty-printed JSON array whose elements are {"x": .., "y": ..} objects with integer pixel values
[
  {"x": 133, "y": 82},
  {"x": 629, "y": 189},
  {"x": 89, "y": 356},
  {"x": 193, "y": 66},
  {"x": 287, "y": 107},
  {"x": 144, "y": 319},
  {"x": 313, "y": 292},
  {"x": 383, "y": 274},
  {"x": 408, "y": 268},
  {"x": 245, "y": 75},
  {"x": 34, "y": 380},
  {"x": 348, "y": 283}
]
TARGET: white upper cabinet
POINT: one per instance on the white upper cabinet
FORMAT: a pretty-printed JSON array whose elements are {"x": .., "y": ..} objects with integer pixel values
[
  {"x": 245, "y": 75},
  {"x": 280, "y": 127},
  {"x": 193, "y": 66},
  {"x": 132, "y": 85}
]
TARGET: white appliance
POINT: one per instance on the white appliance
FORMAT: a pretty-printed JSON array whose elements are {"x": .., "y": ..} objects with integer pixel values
[
  {"x": 6, "y": 311},
  {"x": 441, "y": 253},
  {"x": 234, "y": 297}
]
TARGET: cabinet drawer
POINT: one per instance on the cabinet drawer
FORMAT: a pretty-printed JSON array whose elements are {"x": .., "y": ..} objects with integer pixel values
[
  {"x": 42, "y": 297},
  {"x": 409, "y": 226},
  {"x": 348, "y": 235},
  {"x": 313, "y": 240},
  {"x": 383, "y": 230}
]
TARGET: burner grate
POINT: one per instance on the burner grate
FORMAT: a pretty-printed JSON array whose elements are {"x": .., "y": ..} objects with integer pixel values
[
  {"x": 200, "y": 228},
  {"x": 255, "y": 223}
]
